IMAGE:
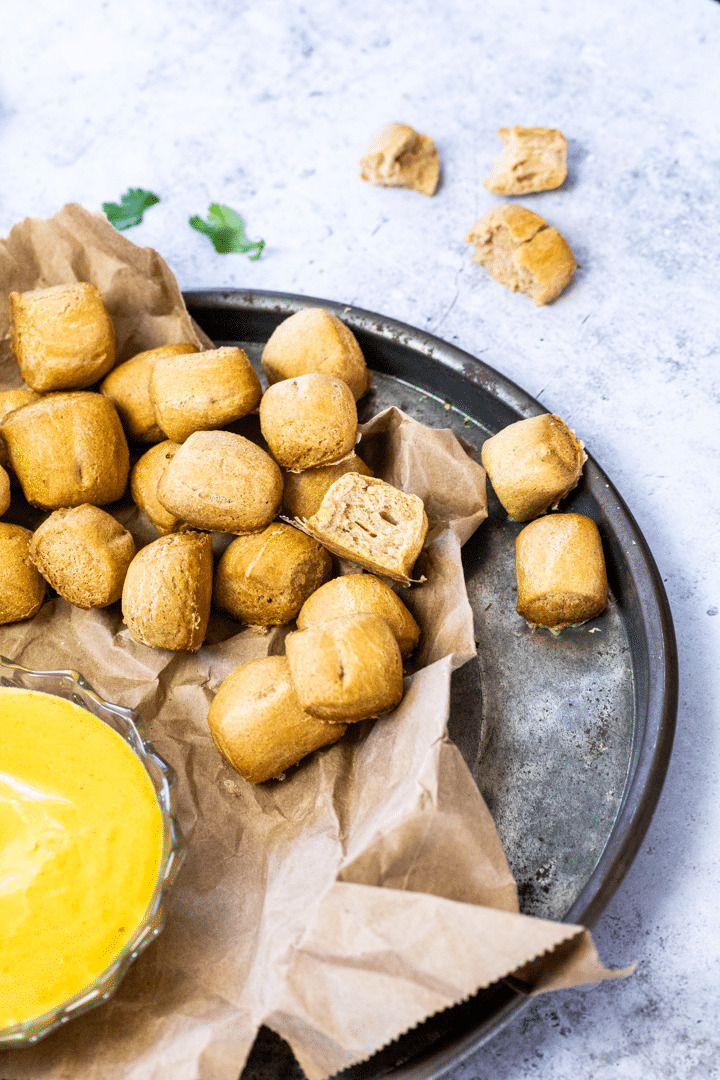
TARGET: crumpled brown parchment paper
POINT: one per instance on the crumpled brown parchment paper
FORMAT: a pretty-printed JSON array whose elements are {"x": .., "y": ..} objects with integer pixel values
[{"x": 345, "y": 903}]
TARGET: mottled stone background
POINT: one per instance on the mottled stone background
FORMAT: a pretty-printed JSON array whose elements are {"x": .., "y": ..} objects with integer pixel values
[{"x": 266, "y": 105}]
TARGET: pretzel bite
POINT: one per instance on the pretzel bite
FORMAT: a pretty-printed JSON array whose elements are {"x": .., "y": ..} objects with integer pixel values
[
  {"x": 304, "y": 492},
  {"x": 22, "y": 588},
  {"x": 221, "y": 481},
  {"x": 9, "y": 401},
  {"x": 561, "y": 575},
  {"x": 314, "y": 340},
  {"x": 167, "y": 592},
  {"x": 346, "y": 670},
  {"x": 520, "y": 250},
  {"x": 204, "y": 391},
  {"x": 258, "y": 724},
  {"x": 144, "y": 480},
  {"x": 399, "y": 156},
  {"x": 84, "y": 553},
  {"x": 15, "y": 399},
  {"x": 373, "y": 524},
  {"x": 68, "y": 449},
  {"x": 355, "y": 594},
  {"x": 308, "y": 421},
  {"x": 4, "y": 491},
  {"x": 63, "y": 337},
  {"x": 128, "y": 387},
  {"x": 265, "y": 578},
  {"x": 533, "y": 159},
  {"x": 533, "y": 464}
]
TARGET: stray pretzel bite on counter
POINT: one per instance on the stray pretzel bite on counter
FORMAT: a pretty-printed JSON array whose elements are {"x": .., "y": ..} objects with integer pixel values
[
  {"x": 128, "y": 386},
  {"x": 258, "y": 724},
  {"x": 144, "y": 480},
  {"x": 84, "y": 553},
  {"x": 264, "y": 579},
  {"x": 533, "y": 464},
  {"x": 308, "y": 421},
  {"x": 22, "y": 588},
  {"x": 167, "y": 592},
  {"x": 63, "y": 337},
  {"x": 372, "y": 523},
  {"x": 561, "y": 575},
  {"x": 356, "y": 594},
  {"x": 399, "y": 156},
  {"x": 533, "y": 159},
  {"x": 221, "y": 481},
  {"x": 68, "y": 449},
  {"x": 314, "y": 340},
  {"x": 203, "y": 391},
  {"x": 520, "y": 250},
  {"x": 347, "y": 669}
]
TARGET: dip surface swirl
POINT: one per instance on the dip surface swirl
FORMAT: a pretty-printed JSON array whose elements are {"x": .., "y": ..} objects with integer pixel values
[{"x": 81, "y": 843}]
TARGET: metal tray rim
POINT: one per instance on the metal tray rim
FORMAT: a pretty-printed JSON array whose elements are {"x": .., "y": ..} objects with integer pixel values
[{"x": 651, "y": 755}]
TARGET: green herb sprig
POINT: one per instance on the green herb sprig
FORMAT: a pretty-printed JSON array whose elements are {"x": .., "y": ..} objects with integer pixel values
[
  {"x": 226, "y": 229},
  {"x": 129, "y": 211}
]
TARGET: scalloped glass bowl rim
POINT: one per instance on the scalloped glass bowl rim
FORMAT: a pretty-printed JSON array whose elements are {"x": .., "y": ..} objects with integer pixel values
[{"x": 73, "y": 687}]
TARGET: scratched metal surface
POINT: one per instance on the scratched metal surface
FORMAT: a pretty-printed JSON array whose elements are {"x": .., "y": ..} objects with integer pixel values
[{"x": 551, "y": 727}]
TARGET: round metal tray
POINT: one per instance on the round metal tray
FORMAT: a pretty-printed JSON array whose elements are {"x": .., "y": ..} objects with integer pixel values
[{"x": 568, "y": 737}]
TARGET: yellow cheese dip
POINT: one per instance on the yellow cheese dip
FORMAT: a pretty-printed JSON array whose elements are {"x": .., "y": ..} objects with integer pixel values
[{"x": 81, "y": 842}]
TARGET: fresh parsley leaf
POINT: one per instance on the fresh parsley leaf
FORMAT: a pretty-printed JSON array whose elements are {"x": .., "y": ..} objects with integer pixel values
[
  {"x": 129, "y": 211},
  {"x": 226, "y": 229}
]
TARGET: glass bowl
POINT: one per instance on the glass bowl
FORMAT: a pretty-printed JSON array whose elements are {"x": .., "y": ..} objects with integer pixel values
[{"x": 73, "y": 687}]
